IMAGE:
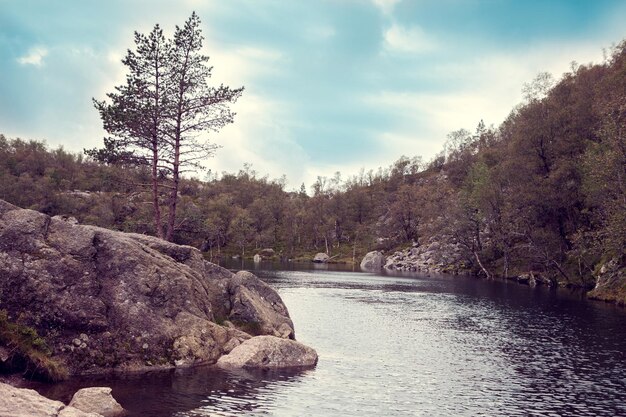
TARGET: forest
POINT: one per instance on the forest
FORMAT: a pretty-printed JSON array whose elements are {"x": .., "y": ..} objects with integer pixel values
[{"x": 544, "y": 191}]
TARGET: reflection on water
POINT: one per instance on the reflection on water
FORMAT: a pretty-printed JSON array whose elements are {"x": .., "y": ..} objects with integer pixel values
[
  {"x": 396, "y": 346},
  {"x": 200, "y": 391}
]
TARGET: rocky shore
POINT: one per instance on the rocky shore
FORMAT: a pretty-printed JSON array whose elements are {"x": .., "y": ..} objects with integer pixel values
[
  {"x": 433, "y": 257},
  {"x": 437, "y": 257},
  {"x": 87, "y": 402}
]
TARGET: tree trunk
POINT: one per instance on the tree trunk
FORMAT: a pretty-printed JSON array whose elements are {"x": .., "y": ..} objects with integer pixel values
[
  {"x": 155, "y": 193},
  {"x": 481, "y": 265},
  {"x": 171, "y": 221}
]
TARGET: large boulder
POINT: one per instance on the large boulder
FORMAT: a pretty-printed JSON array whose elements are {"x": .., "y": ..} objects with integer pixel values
[
  {"x": 321, "y": 258},
  {"x": 20, "y": 402},
  {"x": 269, "y": 352},
  {"x": 256, "y": 308},
  {"x": 104, "y": 299},
  {"x": 97, "y": 400},
  {"x": 373, "y": 261}
]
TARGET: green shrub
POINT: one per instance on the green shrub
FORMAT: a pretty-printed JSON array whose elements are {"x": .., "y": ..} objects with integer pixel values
[{"x": 29, "y": 352}]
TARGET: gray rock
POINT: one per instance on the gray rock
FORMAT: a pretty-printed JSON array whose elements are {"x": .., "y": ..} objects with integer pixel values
[
  {"x": 99, "y": 297},
  {"x": 20, "y": 402},
  {"x": 373, "y": 261},
  {"x": 269, "y": 352},
  {"x": 257, "y": 308},
  {"x": 97, "y": 400},
  {"x": 267, "y": 253},
  {"x": 321, "y": 258}
]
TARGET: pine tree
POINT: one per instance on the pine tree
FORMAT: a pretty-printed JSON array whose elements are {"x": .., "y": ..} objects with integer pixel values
[{"x": 161, "y": 117}]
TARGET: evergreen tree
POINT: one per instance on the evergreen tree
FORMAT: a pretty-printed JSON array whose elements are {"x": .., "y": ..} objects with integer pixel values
[{"x": 161, "y": 116}]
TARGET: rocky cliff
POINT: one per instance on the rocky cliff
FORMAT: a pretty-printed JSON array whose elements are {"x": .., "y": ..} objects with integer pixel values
[{"x": 105, "y": 300}]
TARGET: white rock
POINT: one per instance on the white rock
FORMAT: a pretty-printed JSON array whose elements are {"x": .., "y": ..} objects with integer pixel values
[
  {"x": 97, "y": 400},
  {"x": 269, "y": 352}
]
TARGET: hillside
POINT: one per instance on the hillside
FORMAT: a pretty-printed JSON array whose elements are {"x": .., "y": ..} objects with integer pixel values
[{"x": 543, "y": 193}]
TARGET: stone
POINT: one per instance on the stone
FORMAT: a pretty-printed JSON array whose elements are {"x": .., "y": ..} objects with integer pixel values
[
  {"x": 267, "y": 253},
  {"x": 231, "y": 344},
  {"x": 269, "y": 352},
  {"x": 21, "y": 402},
  {"x": 373, "y": 261},
  {"x": 106, "y": 300},
  {"x": 97, "y": 400},
  {"x": 321, "y": 258},
  {"x": 257, "y": 258},
  {"x": 438, "y": 255},
  {"x": 257, "y": 308}
]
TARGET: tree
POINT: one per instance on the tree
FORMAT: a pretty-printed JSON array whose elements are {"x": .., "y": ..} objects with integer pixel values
[
  {"x": 193, "y": 107},
  {"x": 136, "y": 113},
  {"x": 162, "y": 115}
]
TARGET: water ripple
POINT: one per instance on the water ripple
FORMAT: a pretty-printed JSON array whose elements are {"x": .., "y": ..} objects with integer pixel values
[{"x": 398, "y": 346}]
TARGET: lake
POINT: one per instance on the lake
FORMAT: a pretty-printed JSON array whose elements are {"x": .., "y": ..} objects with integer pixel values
[{"x": 410, "y": 345}]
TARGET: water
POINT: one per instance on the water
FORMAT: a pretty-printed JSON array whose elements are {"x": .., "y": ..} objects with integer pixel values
[{"x": 421, "y": 346}]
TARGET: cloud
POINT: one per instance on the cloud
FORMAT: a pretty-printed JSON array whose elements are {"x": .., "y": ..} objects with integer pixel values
[
  {"x": 260, "y": 136},
  {"x": 487, "y": 87},
  {"x": 34, "y": 57},
  {"x": 407, "y": 39},
  {"x": 386, "y": 6}
]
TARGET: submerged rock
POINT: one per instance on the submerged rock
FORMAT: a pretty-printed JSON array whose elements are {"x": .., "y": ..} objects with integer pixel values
[
  {"x": 269, "y": 352},
  {"x": 106, "y": 300}
]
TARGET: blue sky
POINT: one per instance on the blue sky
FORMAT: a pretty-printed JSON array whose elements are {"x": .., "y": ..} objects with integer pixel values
[{"x": 334, "y": 85}]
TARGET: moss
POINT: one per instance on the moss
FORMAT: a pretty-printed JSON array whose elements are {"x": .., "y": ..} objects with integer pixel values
[
  {"x": 29, "y": 351},
  {"x": 251, "y": 327}
]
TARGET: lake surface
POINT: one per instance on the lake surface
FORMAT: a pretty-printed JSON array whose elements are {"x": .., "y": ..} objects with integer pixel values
[{"x": 411, "y": 345}]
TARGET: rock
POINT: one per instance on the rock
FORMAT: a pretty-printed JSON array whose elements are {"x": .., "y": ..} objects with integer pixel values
[
  {"x": 231, "y": 344},
  {"x": 99, "y": 297},
  {"x": 434, "y": 256},
  {"x": 257, "y": 309},
  {"x": 20, "y": 402},
  {"x": 373, "y": 261},
  {"x": 97, "y": 400},
  {"x": 74, "y": 412},
  {"x": 257, "y": 258},
  {"x": 321, "y": 258},
  {"x": 269, "y": 352},
  {"x": 267, "y": 253}
]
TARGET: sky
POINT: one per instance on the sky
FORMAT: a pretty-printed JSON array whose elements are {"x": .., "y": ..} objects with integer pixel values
[{"x": 330, "y": 85}]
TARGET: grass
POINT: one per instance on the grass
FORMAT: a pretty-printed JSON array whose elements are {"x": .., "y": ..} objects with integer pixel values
[{"x": 29, "y": 352}]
